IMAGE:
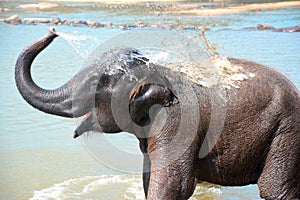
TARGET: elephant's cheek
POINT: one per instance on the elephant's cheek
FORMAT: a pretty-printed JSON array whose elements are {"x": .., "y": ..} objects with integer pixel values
[{"x": 106, "y": 120}]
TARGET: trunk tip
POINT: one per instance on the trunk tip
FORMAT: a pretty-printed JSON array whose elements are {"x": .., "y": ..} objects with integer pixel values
[
  {"x": 52, "y": 31},
  {"x": 75, "y": 134}
]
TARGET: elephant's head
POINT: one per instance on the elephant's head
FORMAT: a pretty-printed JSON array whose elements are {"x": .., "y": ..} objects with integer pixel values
[{"x": 91, "y": 90}]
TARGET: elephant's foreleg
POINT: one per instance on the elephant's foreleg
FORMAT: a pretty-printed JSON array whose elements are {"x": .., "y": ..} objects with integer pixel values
[
  {"x": 172, "y": 151},
  {"x": 173, "y": 182},
  {"x": 171, "y": 179},
  {"x": 280, "y": 178}
]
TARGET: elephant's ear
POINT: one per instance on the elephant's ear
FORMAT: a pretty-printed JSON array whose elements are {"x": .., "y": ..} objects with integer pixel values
[{"x": 145, "y": 95}]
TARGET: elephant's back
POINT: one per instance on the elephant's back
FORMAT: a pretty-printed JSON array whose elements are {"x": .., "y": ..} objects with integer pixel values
[
  {"x": 265, "y": 86},
  {"x": 263, "y": 75}
]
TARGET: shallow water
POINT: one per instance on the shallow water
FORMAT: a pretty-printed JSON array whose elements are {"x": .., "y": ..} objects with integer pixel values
[{"x": 38, "y": 157}]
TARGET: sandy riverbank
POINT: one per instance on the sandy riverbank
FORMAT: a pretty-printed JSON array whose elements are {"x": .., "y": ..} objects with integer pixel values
[
  {"x": 180, "y": 8},
  {"x": 117, "y": 1},
  {"x": 240, "y": 8}
]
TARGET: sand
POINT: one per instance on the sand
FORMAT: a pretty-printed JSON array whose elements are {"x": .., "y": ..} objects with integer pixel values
[
  {"x": 43, "y": 5},
  {"x": 240, "y": 8},
  {"x": 117, "y": 1},
  {"x": 182, "y": 8}
]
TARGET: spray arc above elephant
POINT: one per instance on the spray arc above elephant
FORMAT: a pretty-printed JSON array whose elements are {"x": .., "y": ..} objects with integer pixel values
[{"x": 248, "y": 133}]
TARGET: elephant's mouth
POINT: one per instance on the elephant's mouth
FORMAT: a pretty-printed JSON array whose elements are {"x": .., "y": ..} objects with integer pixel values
[
  {"x": 90, "y": 123},
  {"x": 85, "y": 125}
]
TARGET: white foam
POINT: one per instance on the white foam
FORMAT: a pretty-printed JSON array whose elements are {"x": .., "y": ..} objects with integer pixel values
[
  {"x": 129, "y": 186},
  {"x": 207, "y": 189},
  {"x": 135, "y": 191},
  {"x": 59, "y": 190},
  {"x": 101, "y": 181},
  {"x": 78, "y": 188}
]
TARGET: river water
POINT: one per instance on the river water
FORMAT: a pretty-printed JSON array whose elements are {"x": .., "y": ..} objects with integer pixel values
[{"x": 38, "y": 157}]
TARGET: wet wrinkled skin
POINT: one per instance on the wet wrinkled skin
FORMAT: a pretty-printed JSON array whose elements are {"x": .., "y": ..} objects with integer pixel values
[{"x": 259, "y": 141}]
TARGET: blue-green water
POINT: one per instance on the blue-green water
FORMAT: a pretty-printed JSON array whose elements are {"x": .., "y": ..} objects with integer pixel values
[{"x": 38, "y": 157}]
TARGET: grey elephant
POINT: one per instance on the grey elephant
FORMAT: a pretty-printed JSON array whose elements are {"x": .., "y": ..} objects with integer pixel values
[{"x": 258, "y": 143}]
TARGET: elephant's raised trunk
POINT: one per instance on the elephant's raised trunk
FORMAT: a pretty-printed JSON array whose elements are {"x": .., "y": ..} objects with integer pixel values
[{"x": 56, "y": 102}]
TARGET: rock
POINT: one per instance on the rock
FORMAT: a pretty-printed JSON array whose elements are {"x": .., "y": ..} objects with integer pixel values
[
  {"x": 285, "y": 29},
  {"x": 265, "y": 27},
  {"x": 188, "y": 28},
  {"x": 110, "y": 25},
  {"x": 132, "y": 26},
  {"x": 202, "y": 28},
  {"x": 288, "y": 29},
  {"x": 294, "y": 29},
  {"x": 78, "y": 23},
  {"x": 56, "y": 20},
  {"x": 94, "y": 24},
  {"x": 139, "y": 24},
  {"x": 166, "y": 26},
  {"x": 4, "y": 9},
  {"x": 36, "y": 20},
  {"x": 124, "y": 27},
  {"x": 66, "y": 22},
  {"x": 15, "y": 19},
  {"x": 154, "y": 25}
]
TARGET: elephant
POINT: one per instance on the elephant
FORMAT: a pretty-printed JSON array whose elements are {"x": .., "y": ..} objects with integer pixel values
[{"x": 258, "y": 141}]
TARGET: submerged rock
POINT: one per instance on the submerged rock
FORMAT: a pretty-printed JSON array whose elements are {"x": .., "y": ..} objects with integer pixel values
[
  {"x": 140, "y": 24},
  {"x": 289, "y": 29},
  {"x": 78, "y": 23},
  {"x": 14, "y": 19},
  {"x": 265, "y": 27},
  {"x": 110, "y": 25},
  {"x": 36, "y": 20},
  {"x": 94, "y": 24},
  {"x": 56, "y": 21},
  {"x": 123, "y": 27},
  {"x": 65, "y": 22},
  {"x": 249, "y": 28},
  {"x": 284, "y": 29}
]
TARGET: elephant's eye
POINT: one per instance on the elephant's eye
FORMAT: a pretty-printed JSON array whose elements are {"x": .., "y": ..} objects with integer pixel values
[
  {"x": 140, "y": 60},
  {"x": 173, "y": 100}
]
